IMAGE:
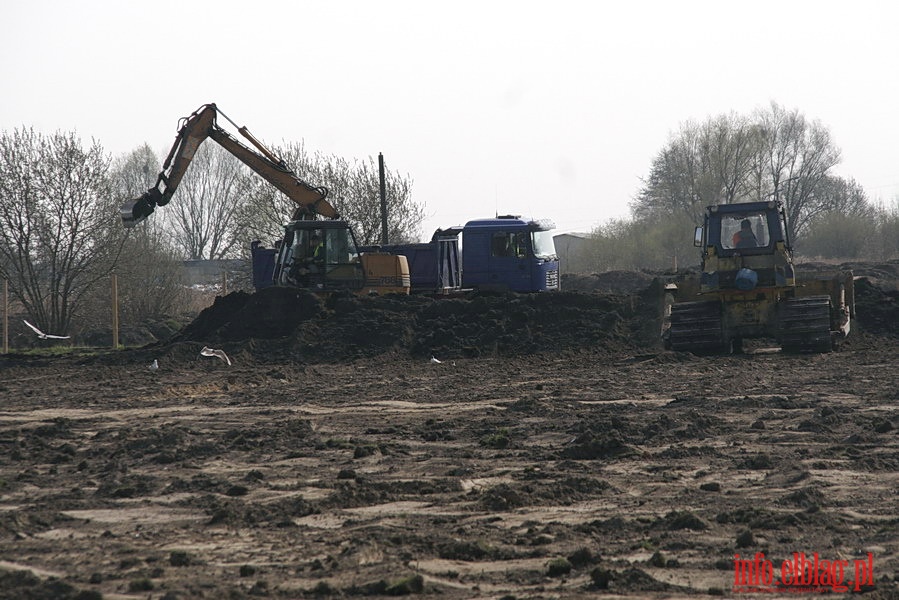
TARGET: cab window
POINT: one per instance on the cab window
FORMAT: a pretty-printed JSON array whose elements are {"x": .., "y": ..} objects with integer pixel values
[
  {"x": 508, "y": 244},
  {"x": 744, "y": 231}
]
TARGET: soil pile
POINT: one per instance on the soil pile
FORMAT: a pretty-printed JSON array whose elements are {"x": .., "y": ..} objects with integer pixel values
[
  {"x": 279, "y": 323},
  {"x": 299, "y": 325},
  {"x": 876, "y": 308},
  {"x": 609, "y": 282}
]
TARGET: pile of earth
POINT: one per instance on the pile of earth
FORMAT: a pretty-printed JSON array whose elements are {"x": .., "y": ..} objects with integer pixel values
[
  {"x": 876, "y": 308},
  {"x": 295, "y": 324},
  {"x": 609, "y": 282},
  {"x": 276, "y": 324}
]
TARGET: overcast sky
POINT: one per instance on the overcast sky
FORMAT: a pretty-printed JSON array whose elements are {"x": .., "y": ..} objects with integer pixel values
[{"x": 546, "y": 109}]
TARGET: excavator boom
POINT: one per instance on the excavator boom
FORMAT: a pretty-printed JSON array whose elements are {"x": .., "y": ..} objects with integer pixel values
[{"x": 193, "y": 131}]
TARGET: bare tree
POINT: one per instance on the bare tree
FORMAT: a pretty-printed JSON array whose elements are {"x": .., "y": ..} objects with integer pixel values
[
  {"x": 133, "y": 173},
  {"x": 57, "y": 239},
  {"x": 354, "y": 190},
  {"x": 776, "y": 153},
  {"x": 679, "y": 178},
  {"x": 361, "y": 204},
  {"x": 846, "y": 226},
  {"x": 729, "y": 145},
  {"x": 795, "y": 156},
  {"x": 845, "y": 196},
  {"x": 653, "y": 242},
  {"x": 202, "y": 217},
  {"x": 887, "y": 241},
  {"x": 702, "y": 165},
  {"x": 150, "y": 273}
]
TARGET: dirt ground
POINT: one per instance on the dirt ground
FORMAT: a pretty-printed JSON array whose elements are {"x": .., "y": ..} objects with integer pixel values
[{"x": 554, "y": 451}]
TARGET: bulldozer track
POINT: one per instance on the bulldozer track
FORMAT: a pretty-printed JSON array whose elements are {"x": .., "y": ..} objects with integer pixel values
[
  {"x": 696, "y": 327},
  {"x": 805, "y": 325}
]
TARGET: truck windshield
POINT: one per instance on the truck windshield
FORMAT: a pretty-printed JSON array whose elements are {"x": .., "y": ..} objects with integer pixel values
[{"x": 544, "y": 247}]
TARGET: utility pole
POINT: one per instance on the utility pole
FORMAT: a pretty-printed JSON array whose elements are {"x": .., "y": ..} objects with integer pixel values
[
  {"x": 384, "y": 239},
  {"x": 115, "y": 311},
  {"x": 5, "y": 316}
]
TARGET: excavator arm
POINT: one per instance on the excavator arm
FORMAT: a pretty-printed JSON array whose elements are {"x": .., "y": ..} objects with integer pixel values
[{"x": 193, "y": 131}]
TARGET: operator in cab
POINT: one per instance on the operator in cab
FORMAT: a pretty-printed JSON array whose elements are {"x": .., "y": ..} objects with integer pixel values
[
  {"x": 309, "y": 268},
  {"x": 316, "y": 258},
  {"x": 745, "y": 238}
]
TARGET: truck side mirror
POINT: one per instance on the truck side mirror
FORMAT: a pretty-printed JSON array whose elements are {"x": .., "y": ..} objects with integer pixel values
[{"x": 697, "y": 237}]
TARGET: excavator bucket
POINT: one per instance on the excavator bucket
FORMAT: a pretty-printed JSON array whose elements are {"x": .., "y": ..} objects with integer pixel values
[
  {"x": 136, "y": 210},
  {"x": 133, "y": 212}
]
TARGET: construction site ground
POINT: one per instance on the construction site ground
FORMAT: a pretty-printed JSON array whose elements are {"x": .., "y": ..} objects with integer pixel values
[{"x": 480, "y": 447}]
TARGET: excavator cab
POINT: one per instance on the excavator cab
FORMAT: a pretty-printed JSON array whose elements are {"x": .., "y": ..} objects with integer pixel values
[
  {"x": 323, "y": 256},
  {"x": 319, "y": 255}
]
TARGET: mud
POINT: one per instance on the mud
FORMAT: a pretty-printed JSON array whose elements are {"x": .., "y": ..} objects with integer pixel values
[{"x": 554, "y": 451}]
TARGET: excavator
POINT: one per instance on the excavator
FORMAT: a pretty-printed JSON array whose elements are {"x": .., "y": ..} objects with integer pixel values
[
  {"x": 318, "y": 250},
  {"x": 748, "y": 288}
]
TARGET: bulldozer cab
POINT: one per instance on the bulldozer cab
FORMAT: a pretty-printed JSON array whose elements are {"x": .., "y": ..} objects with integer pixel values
[{"x": 745, "y": 229}]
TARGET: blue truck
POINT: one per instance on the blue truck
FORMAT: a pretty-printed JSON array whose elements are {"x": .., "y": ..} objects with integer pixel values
[{"x": 502, "y": 254}]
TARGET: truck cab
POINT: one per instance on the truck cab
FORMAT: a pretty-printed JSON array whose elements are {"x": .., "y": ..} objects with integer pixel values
[{"x": 508, "y": 253}]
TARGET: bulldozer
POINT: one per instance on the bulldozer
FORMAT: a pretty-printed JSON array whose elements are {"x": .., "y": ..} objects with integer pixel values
[{"x": 747, "y": 288}]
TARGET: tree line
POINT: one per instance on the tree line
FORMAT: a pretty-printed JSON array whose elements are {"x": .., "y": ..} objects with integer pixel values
[
  {"x": 773, "y": 153},
  {"x": 61, "y": 235}
]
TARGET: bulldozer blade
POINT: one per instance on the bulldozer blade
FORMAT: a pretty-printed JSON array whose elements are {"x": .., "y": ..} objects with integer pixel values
[{"x": 839, "y": 286}]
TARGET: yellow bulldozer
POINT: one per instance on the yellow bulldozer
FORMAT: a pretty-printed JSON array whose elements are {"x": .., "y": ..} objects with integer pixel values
[{"x": 748, "y": 289}]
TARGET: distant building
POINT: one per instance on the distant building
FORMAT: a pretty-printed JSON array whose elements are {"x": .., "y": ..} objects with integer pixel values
[{"x": 569, "y": 247}]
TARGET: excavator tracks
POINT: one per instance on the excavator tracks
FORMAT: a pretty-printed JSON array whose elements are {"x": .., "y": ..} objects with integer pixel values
[
  {"x": 805, "y": 325},
  {"x": 696, "y": 327}
]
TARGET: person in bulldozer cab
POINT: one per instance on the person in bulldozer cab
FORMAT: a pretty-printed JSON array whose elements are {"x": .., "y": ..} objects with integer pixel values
[{"x": 745, "y": 238}]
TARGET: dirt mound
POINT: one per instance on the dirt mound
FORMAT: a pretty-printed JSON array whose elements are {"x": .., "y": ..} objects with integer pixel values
[
  {"x": 280, "y": 323},
  {"x": 876, "y": 308},
  {"x": 609, "y": 282},
  {"x": 302, "y": 326},
  {"x": 884, "y": 274}
]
